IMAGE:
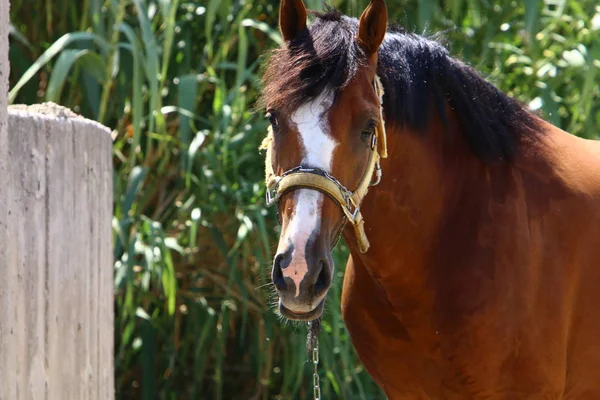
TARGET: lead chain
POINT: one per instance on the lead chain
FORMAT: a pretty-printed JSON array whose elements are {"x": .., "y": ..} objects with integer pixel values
[{"x": 315, "y": 360}]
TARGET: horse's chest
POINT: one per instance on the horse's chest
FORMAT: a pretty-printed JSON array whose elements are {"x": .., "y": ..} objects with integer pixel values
[
  {"x": 398, "y": 364},
  {"x": 411, "y": 359},
  {"x": 401, "y": 365},
  {"x": 411, "y": 366}
]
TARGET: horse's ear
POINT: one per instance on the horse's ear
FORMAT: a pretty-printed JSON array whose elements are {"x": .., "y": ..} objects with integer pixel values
[
  {"x": 372, "y": 26},
  {"x": 292, "y": 18}
]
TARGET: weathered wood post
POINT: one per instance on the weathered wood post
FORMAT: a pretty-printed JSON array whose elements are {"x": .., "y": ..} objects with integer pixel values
[{"x": 56, "y": 276}]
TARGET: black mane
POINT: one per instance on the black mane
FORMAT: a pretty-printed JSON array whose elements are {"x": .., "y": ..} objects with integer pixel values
[{"x": 419, "y": 77}]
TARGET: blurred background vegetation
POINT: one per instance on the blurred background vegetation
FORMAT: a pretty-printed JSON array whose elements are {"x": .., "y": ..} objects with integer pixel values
[{"x": 176, "y": 81}]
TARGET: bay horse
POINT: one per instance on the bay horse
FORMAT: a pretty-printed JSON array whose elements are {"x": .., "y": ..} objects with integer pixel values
[{"x": 474, "y": 268}]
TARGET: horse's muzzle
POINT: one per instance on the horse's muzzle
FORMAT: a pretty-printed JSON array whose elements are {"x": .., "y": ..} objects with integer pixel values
[{"x": 302, "y": 286}]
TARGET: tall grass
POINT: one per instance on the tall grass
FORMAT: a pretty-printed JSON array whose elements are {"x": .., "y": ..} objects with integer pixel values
[{"x": 177, "y": 81}]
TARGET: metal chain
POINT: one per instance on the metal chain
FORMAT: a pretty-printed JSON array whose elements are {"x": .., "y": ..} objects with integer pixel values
[
  {"x": 315, "y": 360},
  {"x": 313, "y": 348}
]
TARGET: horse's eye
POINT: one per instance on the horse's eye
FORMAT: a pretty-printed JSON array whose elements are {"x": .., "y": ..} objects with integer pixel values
[
  {"x": 368, "y": 131},
  {"x": 272, "y": 119}
]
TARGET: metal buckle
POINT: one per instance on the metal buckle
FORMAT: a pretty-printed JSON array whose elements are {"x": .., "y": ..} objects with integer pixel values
[
  {"x": 354, "y": 213},
  {"x": 270, "y": 198},
  {"x": 271, "y": 194},
  {"x": 377, "y": 174}
]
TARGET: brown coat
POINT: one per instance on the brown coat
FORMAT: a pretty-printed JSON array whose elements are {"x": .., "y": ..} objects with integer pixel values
[{"x": 482, "y": 282}]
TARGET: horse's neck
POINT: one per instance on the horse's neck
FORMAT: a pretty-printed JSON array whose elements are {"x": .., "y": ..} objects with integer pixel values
[{"x": 405, "y": 216}]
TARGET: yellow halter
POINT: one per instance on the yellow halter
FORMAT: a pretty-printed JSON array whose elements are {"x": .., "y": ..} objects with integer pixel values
[{"x": 318, "y": 179}]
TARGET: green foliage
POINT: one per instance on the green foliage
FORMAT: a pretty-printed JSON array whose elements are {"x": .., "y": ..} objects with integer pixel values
[{"x": 177, "y": 81}]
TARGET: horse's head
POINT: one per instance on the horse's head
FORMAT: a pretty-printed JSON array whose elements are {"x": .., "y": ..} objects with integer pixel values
[{"x": 322, "y": 98}]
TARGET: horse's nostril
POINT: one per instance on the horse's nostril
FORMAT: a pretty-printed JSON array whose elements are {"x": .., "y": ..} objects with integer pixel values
[
  {"x": 277, "y": 277},
  {"x": 324, "y": 278}
]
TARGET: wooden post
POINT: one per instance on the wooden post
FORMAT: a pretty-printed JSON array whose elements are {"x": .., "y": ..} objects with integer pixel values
[{"x": 56, "y": 261}]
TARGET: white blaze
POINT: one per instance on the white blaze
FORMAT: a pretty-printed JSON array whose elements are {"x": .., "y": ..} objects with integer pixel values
[{"x": 317, "y": 151}]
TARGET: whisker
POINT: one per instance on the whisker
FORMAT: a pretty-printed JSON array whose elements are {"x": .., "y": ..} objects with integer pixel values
[{"x": 264, "y": 285}]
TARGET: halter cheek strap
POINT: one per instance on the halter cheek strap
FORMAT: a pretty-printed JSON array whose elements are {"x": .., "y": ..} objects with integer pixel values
[{"x": 319, "y": 179}]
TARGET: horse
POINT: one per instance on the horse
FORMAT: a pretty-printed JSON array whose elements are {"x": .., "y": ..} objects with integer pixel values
[{"x": 474, "y": 266}]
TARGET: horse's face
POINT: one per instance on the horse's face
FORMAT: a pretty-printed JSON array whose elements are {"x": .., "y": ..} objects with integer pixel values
[{"x": 334, "y": 134}]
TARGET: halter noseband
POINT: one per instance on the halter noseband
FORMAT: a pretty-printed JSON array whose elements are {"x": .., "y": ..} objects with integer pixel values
[{"x": 319, "y": 179}]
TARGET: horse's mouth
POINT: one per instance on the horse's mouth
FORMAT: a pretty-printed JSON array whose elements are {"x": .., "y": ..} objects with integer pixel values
[{"x": 297, "y": 316}]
